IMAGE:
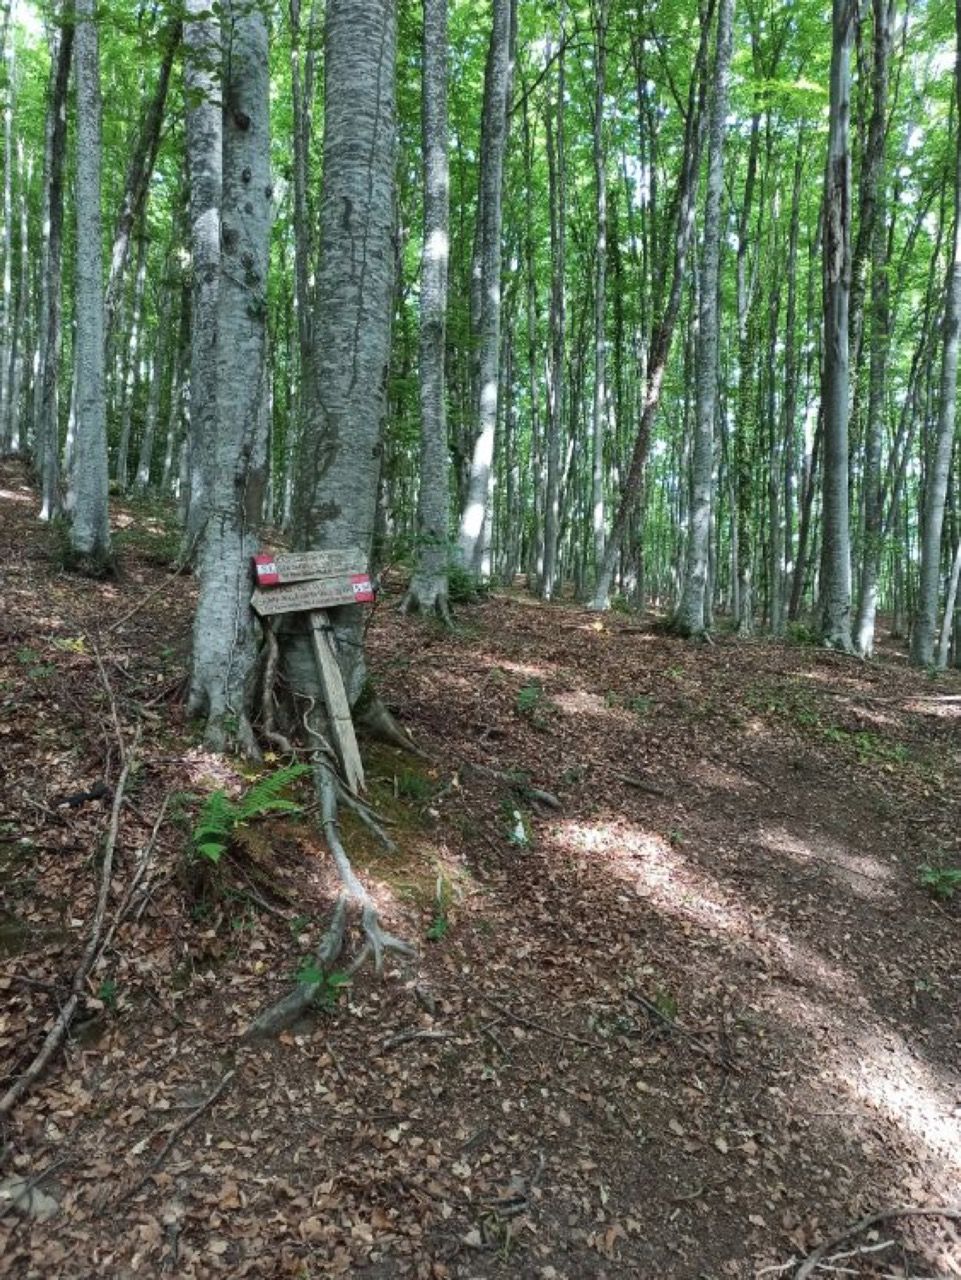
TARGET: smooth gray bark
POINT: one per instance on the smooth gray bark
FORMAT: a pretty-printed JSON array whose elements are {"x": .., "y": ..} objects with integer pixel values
[
  {"x": 335, "y": 492},
  {"x": 224, "y": 648},
  {"x": 89, "y": 519},
  {"x": 488, "y": 283},
  {"x": 836, "y": 535},
  {"x": 690, "y": 617},
  {"x": 202, "y": 87},
  {"x": 601, "y": 17},
  {"x": 926, "y": 617},
  {"x": 46, "y": 398},
  {"x": 554, "y": 122},
  {"x": 428, "y": 587}
]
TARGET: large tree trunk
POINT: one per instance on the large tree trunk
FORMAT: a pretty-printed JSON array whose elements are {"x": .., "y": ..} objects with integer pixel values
[
  {"x": 488, "y": 283},
  {"x": 202, "y": 37},
  {"x": 836, "y": 538},
  {"x": 936, "y": 487},
  {"x": 601, "y": 14},
  {"x": 558, "y": 322},
  {"x": 690, "y": 617},
  {"x": 224, "y": 647},
  {"x": 46, "y": 400},
  {"x": 89, "y": 520},
  {"x": 346, "y": 393},
  {"x": 428, "y": 588}
]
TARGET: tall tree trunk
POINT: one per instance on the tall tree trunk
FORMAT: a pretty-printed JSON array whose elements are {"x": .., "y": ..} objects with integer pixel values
[
  {"x": 428, "y": 587},
  {"x": 6, "y": 288},
  {"x": 601, "y": 14},
  {"x": 487, "y": 292},
  {"x": 660, "y": 346},
  {"x": 346, "y": 394},
  {"x": 690, "y": 616},
  {"x": 139, "y": 171},
  {"x": 555, "y": 417},
  {"x": 224, "y": 646},
  {"x": 89, "y": 519},
  {"x": 836, "y": 538},
  {"x": 205, "y": 115},
  {"x": 936, "y": 487}
]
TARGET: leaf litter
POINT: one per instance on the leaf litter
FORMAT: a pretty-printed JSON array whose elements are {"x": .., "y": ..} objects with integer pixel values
[{"x": 699, "y": 1021}]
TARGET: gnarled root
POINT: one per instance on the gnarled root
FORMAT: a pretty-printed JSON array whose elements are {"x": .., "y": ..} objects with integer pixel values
[
  {"x": 377, "y": 940},
  {"x": 382, "y": 726}
]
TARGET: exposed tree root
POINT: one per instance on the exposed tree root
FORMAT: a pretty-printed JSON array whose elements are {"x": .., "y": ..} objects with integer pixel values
[
  {"x": 814, "y": 1259},
  {"x": 377, "y": 940},
  {"x": 430, "y": 603},
  {"x": 381, "y": 725}
]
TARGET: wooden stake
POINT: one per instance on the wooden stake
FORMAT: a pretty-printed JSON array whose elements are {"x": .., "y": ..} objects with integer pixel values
[{"x": 335, "y": 696}]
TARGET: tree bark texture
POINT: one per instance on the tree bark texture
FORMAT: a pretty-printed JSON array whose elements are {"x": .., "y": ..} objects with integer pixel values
[
  {"x": 89, "y": 521},
  {"x": 690, "y": 617},
  {"x": 428, "y": 588},
  {"x": 836, "y": 536},
  {"x": 488, "y": 301},
  {"x": 224, "y": 630}
]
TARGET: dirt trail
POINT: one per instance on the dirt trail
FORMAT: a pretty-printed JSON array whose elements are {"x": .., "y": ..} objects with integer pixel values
[{"x": 695, "y": 1020}]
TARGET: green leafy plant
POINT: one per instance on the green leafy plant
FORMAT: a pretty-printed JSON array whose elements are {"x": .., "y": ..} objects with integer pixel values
[
  {"x": 641, "y": 705},
  {"x": 412, "y": 785},
  {"x": 107, "y": 992},
  {"x": 220, "y": 816},
  {"x": 463, "y": 587},
  {"x": 440, "y": 925},
  {"x": 942, "y": 882},
  {"x": 529, "y": 698},
  {"x": 329, "y": 985}
]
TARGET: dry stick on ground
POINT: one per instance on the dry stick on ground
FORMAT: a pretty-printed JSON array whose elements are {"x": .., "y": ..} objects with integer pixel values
[
  {"x": 811, "y": 1262},
  {"x": 94, "y": 949},
  {"x": 177, "y": 1132},
  {"x": 539, "y": 1026},
  {"x": 175, "y": 573},
  {"x": 405, "y": 1037}
]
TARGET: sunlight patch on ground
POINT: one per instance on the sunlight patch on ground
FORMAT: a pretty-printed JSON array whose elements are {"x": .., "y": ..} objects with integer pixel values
[
  {"x": 529, "y": 669},
  {"x": 8, "y": 495},
  {"x": 866, "y": 876},
  {"x": 882, "y": 1070},
  {"x": 941, "y": 708},
  {"x": 664, "y": 877},
  {"x": 581, "y": 703}
]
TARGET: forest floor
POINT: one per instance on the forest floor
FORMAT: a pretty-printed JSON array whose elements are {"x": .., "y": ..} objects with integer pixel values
[{"x": 692, "y": 1023}]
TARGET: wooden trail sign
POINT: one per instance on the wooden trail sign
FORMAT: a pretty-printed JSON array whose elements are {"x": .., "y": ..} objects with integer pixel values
[
  {"x": 310, "y": 582},
  {"x": 299, "y": 566},
  {"x": 320, "y": 593}
]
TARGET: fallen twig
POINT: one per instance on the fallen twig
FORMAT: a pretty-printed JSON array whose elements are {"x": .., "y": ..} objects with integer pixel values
[
  {"x": 405, "y": 1037},
  {"x": 172, "y": 576},
  {"x": 177, "y": 1132},
  {"x": 92, "y": 952},
  {"x": 812, "y": 1260},
  {"x": 539, "y": 1026}
]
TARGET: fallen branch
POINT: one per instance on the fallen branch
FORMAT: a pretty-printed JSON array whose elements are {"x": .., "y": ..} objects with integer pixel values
[
  {"x": 177, "y": 1132},
  {"x": 509, "y": 1013},
  {"x": 173, "y": 575},
  {"x": 406, "y": 1037},
  {"x": 812, "y": 1260},
  {"x": 517, "y": 784},
  {"x": 92, "y": 952}
]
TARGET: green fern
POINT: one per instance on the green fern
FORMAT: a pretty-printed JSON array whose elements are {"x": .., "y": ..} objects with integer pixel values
[{"x": 220, "y": 817}]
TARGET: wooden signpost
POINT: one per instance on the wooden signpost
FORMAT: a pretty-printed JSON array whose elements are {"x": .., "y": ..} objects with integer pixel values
[{"x": 311, "y": 582}]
